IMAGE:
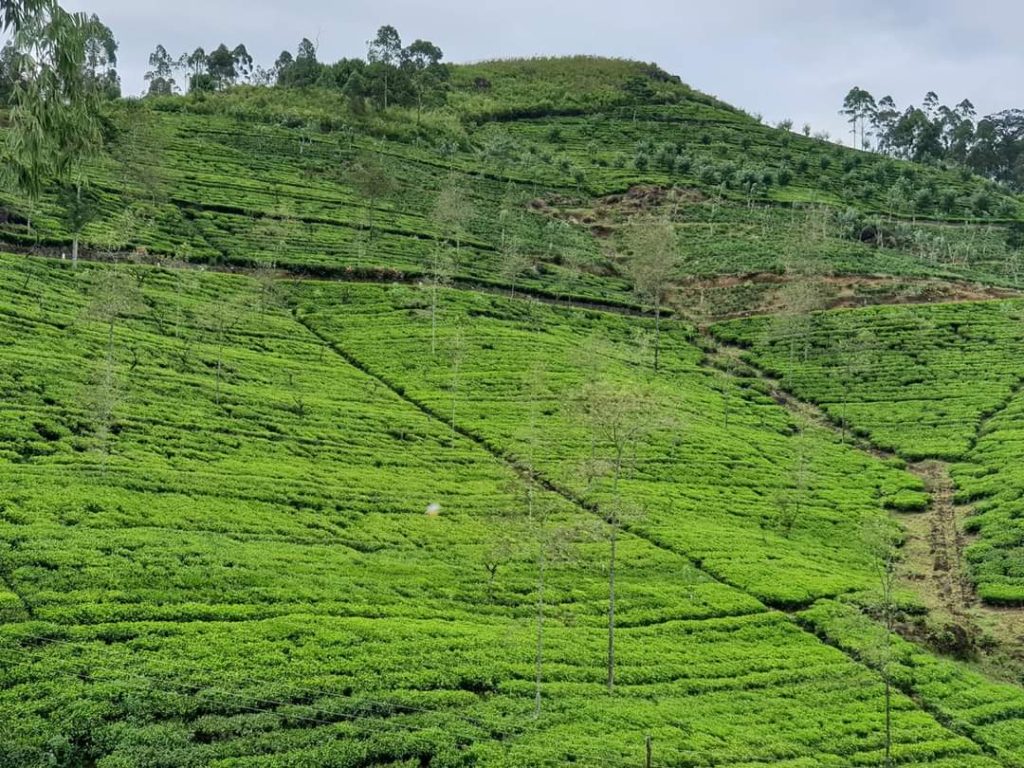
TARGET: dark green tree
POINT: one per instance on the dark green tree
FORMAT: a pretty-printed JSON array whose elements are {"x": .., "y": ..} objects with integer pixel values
[
  {"x": 282, "y": 65},
  {"x": 386, "y": 51},
  {"x": 8, "y": 71},
  {"x": 220, "y": 66},
  {"x": 422, "y": 61},
  {"x": 53, "y": 126},
  {"x": 101, "y": 59},
  {"x": 161, "y": 74},
  {"x": 243, "y": 62},
  {"x": 196, "y": 62},
  {"x": 17, "y": 15},
  {"x": 301, "y": 70},
  {"x": 858, "y": 107},
  {"x": 80, "y": 207},
  {"x": 355, "y": 93}
]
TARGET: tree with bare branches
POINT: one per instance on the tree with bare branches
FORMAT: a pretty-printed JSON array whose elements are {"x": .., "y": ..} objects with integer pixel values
[
  {"x": 220, "y": 321},
  {"x": 651, "y": 267},
  {"x": 372, "y": 176},
  {"x": 882, "y": 542},
  {"x": 793, "y": 325},
  {"x": 452, "y": 213},
  {"x": 114, "y": 295},
  {"x": 516, "y": 259},
  {"x": 618, "y": 420}
]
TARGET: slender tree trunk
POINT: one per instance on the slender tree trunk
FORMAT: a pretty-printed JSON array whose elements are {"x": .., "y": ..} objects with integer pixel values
[
  {"x": 888, "y": 720},
  {"x": 539, "y": 657},
  {"x": 433, "y": 317},
  {"x": 455, "y": 396},
  {"x": 846, "y": 400},
  {"x": 107, "y": 408},
  {"x": 611, "y": 574},
  {"x": 74, "y": 243},
  {"x": 110, "y": 344},
  {"x": 370, "y": 222},
  {"x": 611, "y": 610},
  {"x": 887, "y": 596},
  {"x": 220, "y": 359},
  {"x": 657, "y": 336}
]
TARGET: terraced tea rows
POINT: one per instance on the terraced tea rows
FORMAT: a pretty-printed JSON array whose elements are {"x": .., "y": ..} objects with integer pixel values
[
  {"x": 992, "y": 482},
  {"x": 726, "y": 477},
  {"x": 992, "y": 713},
  {"x": 288, "y": 179},
  {"x": 203, "y": 566},
  {"x": 906, "y": 377},
  {"x": 941, "y": 381}
]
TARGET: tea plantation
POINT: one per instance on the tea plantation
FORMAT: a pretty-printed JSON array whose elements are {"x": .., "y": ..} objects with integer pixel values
[
  {"x": 204, "y": 567},
  {"x": 349, "y": 442},
  {"x": 719, "y": 459},
  {"x": 289, "y": 179},
  {"x": 931, "y": 382}
]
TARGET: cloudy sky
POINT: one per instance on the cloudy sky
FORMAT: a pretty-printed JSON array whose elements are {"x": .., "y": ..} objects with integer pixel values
[{"x": 779, "y": 58}]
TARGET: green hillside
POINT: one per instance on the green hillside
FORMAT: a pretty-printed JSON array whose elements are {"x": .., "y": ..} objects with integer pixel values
[
  {"x": 217, "y": 548},
  {"x": 352, "y": 440},
  {"x": 940, "y": 382},
  {"x": 540, "y": 152}
]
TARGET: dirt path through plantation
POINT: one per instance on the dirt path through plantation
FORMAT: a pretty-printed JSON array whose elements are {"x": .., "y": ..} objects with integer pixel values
[{"x": 934, "y": 565}]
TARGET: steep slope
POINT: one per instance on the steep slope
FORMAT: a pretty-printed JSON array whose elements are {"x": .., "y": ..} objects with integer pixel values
[
  {"x": 939, "y": 385},
  {"x": 540, "y": 152},
  {"x": 366, "y": 503},
  {"x": 209, "y": 570}
]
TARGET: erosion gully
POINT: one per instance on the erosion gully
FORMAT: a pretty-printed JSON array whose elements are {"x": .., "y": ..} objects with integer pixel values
[{"x": 933, "y": 564}]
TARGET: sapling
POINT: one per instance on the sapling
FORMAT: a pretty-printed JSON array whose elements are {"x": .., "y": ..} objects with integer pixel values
[
  {"x": 456, "y": 351},
  {"x": 651, "y": 267},
  {"x": 618, "y": 419},
  {"x": 114, "y": 294},
  {"x": 882, "y": 545},
  {"x": 372, "y": 176},
  {"x": 222, "y": 317},
  {"x": 452, "y": 212}
]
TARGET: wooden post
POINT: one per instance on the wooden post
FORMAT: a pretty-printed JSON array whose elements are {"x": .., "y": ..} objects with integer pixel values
[{"x": 648, "y": 762}]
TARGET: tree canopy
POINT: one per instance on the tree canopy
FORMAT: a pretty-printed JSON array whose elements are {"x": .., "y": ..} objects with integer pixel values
[
  {"x": 60, "y": 64},
  {"x": 933, "y": 132}
]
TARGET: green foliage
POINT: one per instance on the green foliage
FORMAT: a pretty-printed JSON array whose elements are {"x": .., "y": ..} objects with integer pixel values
[
  {"x": 993, "y": 713},
  {"x": 702, "y": 480},
  {"x": 990, "y": 146},
  {"x": 928, "y": 382},
  {"x": 223, "y": 171},
  {"x": 243, "y": 523},
  {"x": 53, "y": 123},
  {"x": 228, "y": 581},
  {"x": 905, "y": 375}
]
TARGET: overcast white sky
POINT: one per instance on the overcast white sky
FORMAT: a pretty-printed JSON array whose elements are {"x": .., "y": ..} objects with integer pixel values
[{"x": 780, "y": 58}]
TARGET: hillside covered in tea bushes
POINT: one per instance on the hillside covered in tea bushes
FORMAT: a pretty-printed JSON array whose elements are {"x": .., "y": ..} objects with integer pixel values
[
  {"x": 578, "y": 418},
  {"x": 542, "y": 163}
]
